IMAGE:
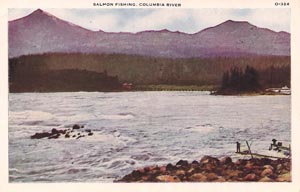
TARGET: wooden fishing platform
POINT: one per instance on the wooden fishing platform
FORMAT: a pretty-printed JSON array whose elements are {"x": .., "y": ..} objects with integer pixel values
[
  {"x": 274, "y": 146},
  {"x": 257, "y": 155}
]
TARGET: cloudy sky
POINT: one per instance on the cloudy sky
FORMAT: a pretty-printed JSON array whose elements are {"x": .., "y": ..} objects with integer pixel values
[{"x": 184, "y": 20}]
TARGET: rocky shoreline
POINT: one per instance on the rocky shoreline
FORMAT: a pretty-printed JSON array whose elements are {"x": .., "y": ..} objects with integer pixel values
[{"x": 210, "y": 169}]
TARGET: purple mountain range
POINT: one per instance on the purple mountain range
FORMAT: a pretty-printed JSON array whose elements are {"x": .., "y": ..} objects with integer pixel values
[{"x": 41, "y": 32}]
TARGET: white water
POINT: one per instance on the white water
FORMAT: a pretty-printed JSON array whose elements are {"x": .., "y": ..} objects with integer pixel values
[{"x": 135, "y": 129}]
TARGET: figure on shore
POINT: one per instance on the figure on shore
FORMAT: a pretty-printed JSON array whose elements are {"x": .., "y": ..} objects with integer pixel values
[
  {"x": 238, "y": 147},
  {"x": 273, "y": 144}
]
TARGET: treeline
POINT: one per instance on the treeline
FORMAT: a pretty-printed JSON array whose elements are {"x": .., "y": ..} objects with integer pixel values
[
  {"x": 239, "y": 81},
  {"x": 142, "y": 70},
  {"x": 275, "y": 76},
  {"x": 250, "y": 80},
  {"x": 62, "y": 81}
]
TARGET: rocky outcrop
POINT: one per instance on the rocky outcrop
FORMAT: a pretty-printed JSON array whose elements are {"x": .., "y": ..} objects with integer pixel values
[
  {"x": 74, "y": 132},
  {"x": 210, "y": 169}
]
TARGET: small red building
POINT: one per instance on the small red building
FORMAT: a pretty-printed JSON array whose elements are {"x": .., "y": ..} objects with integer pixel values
[{"x": 127, "y": 86}]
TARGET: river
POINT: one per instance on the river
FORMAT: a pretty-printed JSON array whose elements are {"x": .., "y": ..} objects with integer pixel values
[{"x": 135, "y": 129}]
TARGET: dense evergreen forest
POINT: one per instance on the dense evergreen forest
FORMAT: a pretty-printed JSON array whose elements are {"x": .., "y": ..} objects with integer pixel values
[
  {"x": 236, "y": 81},
  {"x": 113, "y": 69}
]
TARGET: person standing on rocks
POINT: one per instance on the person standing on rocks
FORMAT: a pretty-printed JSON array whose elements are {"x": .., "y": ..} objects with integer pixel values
[{"x": 238, "y": 147}]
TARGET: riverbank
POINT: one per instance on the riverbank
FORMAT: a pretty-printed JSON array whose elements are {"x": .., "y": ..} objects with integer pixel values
[
  {"x": 163, "y": 87},
  {"x": 210, "y": 169},
  {"x": 247, "y": 93}
]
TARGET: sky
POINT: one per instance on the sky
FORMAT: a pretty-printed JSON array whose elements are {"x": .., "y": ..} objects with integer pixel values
[{"x": 184, "y": 20}]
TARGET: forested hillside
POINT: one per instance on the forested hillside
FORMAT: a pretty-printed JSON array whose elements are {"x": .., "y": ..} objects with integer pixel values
[{"x": 140, "y": 70}]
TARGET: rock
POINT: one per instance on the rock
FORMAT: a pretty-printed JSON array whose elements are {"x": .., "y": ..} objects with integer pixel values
[
  {"x": 250, "y": 177},
  {"x": 54, "y": 136},
  {"x": 163, "y": 169},
  {"x": 284, "y": 177},
  {"x": 180, "y": 172},
  {"x": 78, "y": 133},
  {"x": 167, "y": 178},
  {"x": 145, "y": 178},
  {"x": 147, "y": 169},
  {"x": 74, "y": 136},
  {"x": 67, "y": 136},
  {"x": 170, "y": 167},
  {"x": 82, "y": 126},
  {"x": 212, "y": 176},
  {"x": 137, "y": 174},
  {"x": 266, "y": 179},
  {"x": 88, "y": 130},
  {"x": 211, "y": 160},
  {"x": 209, "y": 167},
  {"x": 241, "y": 162},
  {"x": 266, "y": 161},
  {"x": 191, "y": 170},
  {"x": 90, "y": 134},
  {"x": 142, "y": 170},
  {"x": 76, "y": 126},
  {"x": 195, "y": 163},
  {"x": 199, "y": 177},
  {"x": 80, "y": 136},
  {"x": 278, "y": 167},
  {"x": 226, "y": 160},
  {"x": 40, "y": 135},
  {"x": 284, "y": 171},
  {"x": 54, "y": 131},
  {"x": 220, "y": 179},
  {"x": 266, "y": 172},
  {"x": 215, "y": 170},
  {"x": 268, "y": 167},
  {"x": 232, "y": 173},
  {"x": 287, "y": 165},
  {"x": 249, "y": 165},
  {"x": 182, "y": 163}
]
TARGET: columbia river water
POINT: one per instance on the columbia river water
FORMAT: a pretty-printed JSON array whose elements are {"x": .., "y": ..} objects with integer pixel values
[{"x": 135, "y": 129}]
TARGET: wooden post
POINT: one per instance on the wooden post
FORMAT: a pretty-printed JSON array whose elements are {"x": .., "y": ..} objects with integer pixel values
[{"x": 249, "y": 149}]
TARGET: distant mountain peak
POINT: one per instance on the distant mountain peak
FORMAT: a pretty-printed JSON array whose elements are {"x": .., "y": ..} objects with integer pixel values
[
  {"x": 164, "y": 30},
  {"x": 42, "y": 32},
  {"x": 232, "y": 22},
  {"x": 40, "y": 15},
  {"x": 40, "y": 12},
  {"x": 229, "y": 26}
]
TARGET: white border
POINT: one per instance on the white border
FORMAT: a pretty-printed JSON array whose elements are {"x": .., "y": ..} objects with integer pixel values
[{"x": 294, "y": 186}]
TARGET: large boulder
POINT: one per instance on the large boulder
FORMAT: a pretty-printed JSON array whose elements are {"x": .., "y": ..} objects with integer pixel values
[
  {"x": 212, "y": 176},
  {"x": 182, "y": 163},
  {"x": 266, "y": 179},
  {"x": 226, "y": 160},
  {"x": 266, "y": 172},
  {"x": 76, "y": 126},
  {"x": 168, "y": 178},
  {"x": 209, "y": 159},
  {"x": 198, "y": 177},
  {"x": 40, "y": 135},
  {"x": 284, "y": 177},
  {"x": 250, "y": 177},
  {"x": 170, "y": 167}
]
